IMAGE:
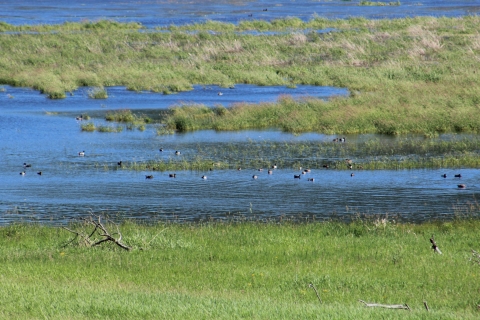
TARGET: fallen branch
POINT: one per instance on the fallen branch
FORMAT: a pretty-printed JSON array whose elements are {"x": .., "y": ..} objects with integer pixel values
[
  {"x": 99, "y": 230},
  {"x": 318, "y": 296},
  {"x": 388, "y": 306},
  {"x": 426, "y": 305},
  {"x": 434, "y": 245}
]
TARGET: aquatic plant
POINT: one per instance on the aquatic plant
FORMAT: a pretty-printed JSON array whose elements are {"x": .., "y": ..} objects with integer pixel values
[
  {"x": 89, "y": 126},
  {"x": 98, "y": 93},
  {"x": 102, "y": 128}
]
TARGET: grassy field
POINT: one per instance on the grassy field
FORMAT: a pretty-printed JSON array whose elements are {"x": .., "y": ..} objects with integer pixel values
[
  {"x": 235, "y": 270},
  {"x": 411, "y": 75}
]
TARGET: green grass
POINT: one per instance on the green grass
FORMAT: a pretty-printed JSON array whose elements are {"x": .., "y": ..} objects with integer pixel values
[
  {"x": 243, "y": 270},
  {"x": 410, "y": 75}
]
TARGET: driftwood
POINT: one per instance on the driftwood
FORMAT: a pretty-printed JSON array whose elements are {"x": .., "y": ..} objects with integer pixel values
[
  {"x": 313, "y": 287},
  {"x": 99, "y": 235},
  {"x": 434, "y": 245},
  {"x": 388, "y": 306}
]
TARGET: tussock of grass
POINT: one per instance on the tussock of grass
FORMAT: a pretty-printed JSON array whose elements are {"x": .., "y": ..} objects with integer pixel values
[{"x": 244, "y": 269}]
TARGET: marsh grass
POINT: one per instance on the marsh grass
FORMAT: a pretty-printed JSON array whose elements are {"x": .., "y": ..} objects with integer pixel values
[
  {"x": 89, "y": 127},
  {"x": 102, "y": 128},
  {"x": 411, "y": 75},
  {"x": 98, "y": 93},
  {"x": 241, "y": 269}
]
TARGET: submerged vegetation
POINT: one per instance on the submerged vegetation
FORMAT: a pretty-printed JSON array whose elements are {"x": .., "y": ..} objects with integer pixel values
[
  {"x": 410, "y": 75},
  {"x": 239, "y": 269}
]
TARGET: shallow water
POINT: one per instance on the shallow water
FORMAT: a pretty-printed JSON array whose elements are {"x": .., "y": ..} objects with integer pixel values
[
  {"x": 164, "y": 13},
  {"x": 44, "y": 132},
  {"x": 32, "y": 132}
]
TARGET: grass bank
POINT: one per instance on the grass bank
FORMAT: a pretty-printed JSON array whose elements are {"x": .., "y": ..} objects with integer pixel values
[
  {"x": 235, "y": 270},
  {"x": 411, "y": 75}
]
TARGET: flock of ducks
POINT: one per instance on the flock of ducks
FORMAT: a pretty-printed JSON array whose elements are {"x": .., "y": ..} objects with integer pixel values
[{"x": 349, "y": 163}]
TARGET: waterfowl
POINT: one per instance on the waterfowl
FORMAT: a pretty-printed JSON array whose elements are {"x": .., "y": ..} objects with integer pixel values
[
  {"x": 39, "y": 173},
  {"x": 260, "y": 169},
  {"x": 149, "y": 177},
  {"x": 22, "y": 173},
  {"x": 119, "y": 163},
  {"x": 254, "y": 176},
  {"x": 350, "y": 166},
  {"x": 335, "y": 140},
  {"x": 80, "y": 118},
  {"x": 311, "y": 179},
  {"x": 25, "y": 165},
  {"x": 177, "y": 153},
  {"x": 204, "y": 177},
  {"x": 307, "y": 170},
  {"x": 296, "y": 176},
  {"x": 81, "y": 153},
  {"x": 172, "y": 175},
  {"x": 325, "y": 166},
  {"x": 270, "y": 171},
  {"x": 352, "y": 174},
  {"x": 161, "y": 149},
  {"x": 238, "y": 169},
  {"x": 458, "y": 176},
  {"x": 461, "y": 186},
  {"x": 444, "y": 175},
  {"x": 274, "y": 166},
  {"x": 342, "y": 139},
  {"x": 220, "y": 94},
  {"x": 304, "y": 172}
]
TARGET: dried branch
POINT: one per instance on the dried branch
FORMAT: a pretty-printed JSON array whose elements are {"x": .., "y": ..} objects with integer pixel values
[
  {"x": 426, "y": 305},
  {"x": 388, "y": 306},
  {"x": 99, "y": 230},
  {"x": 434, "y": 245},
  {"x": 318, "y": 296}
]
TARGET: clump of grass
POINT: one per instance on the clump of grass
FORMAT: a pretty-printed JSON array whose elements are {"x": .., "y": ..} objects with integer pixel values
[
  {"x": 110, "y": 128},
  {"x": 163, "y": 130},
  {"x": 90, "y": 127},
  {"x": 379, "y": 3},
  {"x": 98, "y": 93}
]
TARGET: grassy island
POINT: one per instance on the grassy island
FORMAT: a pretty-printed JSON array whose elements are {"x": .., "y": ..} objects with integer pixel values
[{"x": 411, "y": 75}]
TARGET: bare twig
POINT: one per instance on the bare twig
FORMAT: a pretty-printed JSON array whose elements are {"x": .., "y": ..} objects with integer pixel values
[
  {"x": 426, "y": 305},
  {"x": 99, "y": 230},
  {"x": 388, "y": 306},
  {"x": 434, "y": 245},
  {"x": 318, "y": 296}
]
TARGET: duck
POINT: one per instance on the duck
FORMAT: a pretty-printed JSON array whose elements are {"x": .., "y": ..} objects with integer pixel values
[
  {"x": 81, "y": 153},
  {"x": 458, "y": 175},
  {"x": 177, "y": 153},
  {"x": 172, "y": 175},
  {"x": 444, "y": 175},
  {"x": 39, "y": 173},
  {"x": 149, "y": 177},
  {"x": 220, "y": 94},
  {"x": 25, "y": 165},
  {"x": 79, "y": 118},
  {"x": 326, "y": 166},
  {"x": 260, "y": 169},
  {"x": 119, "y": 163},
  {"x": 22, "y": 173},
  {"x": 161, "y": 149},
  {"x": 296, "y": 176},
  {"x": 204, "y": 177},
  {"x": 274, "y": 166},
  {"x": 461, "y": 186},
  {"x": 311, "y": 179},
  {"x": 269, "y": 171},
  {"x": 352, "y": 174},
  {"x": 239, "y": 169},
  {"x": 254, "y": 176},
  {"x": 307, "y": 170}
]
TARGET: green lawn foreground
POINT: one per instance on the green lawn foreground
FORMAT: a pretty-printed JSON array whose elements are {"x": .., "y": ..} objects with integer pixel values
[{"x": 249, "y": 270}]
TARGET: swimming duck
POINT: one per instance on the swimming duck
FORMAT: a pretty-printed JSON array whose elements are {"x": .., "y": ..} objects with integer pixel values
[
  {"x": 119, "y": 163},
  {"x": 307, "y": 170},
  {"x": 274, "y": 166},
  {"x": 311, "y": 179},
  {"x": 25, "y": 165},
  {"x": 161, "y": 149},
  {"x": 461, "y": 186},
  {"x": 254, "y": 176},
  {"x": 296, "y": 176},
  {"x": 352, "y": 174},
  {"x": 81, "y": 153},
  {"x": 22, "y": 173},
  {"x": 269, "y": 171},
  {"x": 204, "y": 177},
  {"x": 458, "y": 176},
  {"x": 149, "y": 177},
  {"x": 172, "y": 175},
  {"x": 39, "y": 173},
  {"x": 177, "y": 153},
  {"x": 444, "y": 175},
  {"x": 220, "y": 94}
]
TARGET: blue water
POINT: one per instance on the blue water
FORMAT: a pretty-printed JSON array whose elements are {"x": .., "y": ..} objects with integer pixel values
[
  {"x": 44, "y": 132},
  {"x": 163, "y": 13}
]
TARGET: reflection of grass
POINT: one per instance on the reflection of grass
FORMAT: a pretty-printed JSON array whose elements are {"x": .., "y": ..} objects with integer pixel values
[
  {"x": 379, "y": 3},
  {"x": 238, "y": 267}
]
